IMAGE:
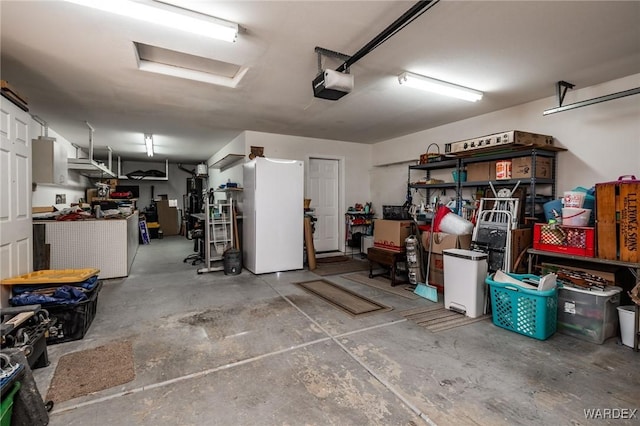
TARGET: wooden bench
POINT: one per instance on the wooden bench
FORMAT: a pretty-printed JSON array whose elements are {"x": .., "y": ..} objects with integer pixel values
[{"x": 387, "y": 259}]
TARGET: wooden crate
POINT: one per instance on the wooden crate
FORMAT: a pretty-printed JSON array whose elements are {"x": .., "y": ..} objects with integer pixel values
[{"x": 617, "y": 220}]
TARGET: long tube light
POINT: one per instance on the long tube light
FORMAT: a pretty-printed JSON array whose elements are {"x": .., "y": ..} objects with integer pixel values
[
  {"x": 438, "y": 86},
  {"x": 168, "y": 16},
  {"x": 148, "y": 141}
]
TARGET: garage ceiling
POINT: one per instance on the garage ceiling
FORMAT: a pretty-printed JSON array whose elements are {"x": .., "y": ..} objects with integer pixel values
[{"x": 76, "y": 64}]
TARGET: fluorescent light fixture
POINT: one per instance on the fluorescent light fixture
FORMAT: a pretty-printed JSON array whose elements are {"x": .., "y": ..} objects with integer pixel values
[
  {"x": 437, "y": 86},
  {"x": 148, "y": 141},
  {"x": 168, "y": 16}
]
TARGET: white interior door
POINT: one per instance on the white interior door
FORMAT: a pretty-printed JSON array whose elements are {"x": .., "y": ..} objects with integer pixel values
[
  {"x": 15, "y": 194},
  {"x": 323, "y": 190}
]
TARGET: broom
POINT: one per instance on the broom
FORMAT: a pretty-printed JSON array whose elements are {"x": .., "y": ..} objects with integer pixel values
[{"x": 424, "y": 289}]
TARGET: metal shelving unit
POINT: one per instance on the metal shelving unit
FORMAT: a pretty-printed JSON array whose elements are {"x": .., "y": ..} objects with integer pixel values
[
  {"x": 459, "y": 164},
  {"x": 357, "y": 222}
]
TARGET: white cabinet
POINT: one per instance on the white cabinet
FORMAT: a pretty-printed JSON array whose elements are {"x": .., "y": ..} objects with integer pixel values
[{"x": 49, "y": 161}]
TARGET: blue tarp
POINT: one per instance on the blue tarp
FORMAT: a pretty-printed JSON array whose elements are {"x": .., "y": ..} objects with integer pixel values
[{"x": 64, "y": 295}]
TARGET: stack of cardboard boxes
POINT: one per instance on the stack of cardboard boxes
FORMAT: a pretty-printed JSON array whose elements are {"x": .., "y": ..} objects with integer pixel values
[{"x": 391, "y": 235}]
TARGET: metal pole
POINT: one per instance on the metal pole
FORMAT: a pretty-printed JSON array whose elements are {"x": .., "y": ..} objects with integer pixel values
[
  {"x": 407, "y": 17},
  {"x": 593, "y": 101}
]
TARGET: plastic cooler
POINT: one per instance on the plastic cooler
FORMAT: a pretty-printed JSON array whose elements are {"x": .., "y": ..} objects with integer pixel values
[
  {"x": 588, "y": 315},
  {"x": 532, "y": 313}
]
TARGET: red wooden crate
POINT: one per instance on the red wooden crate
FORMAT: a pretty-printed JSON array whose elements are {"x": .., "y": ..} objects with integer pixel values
[{"x": 578, "y": 241}]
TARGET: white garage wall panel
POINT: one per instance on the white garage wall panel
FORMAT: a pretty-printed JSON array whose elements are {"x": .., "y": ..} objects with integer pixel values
[
  {"x": 109, "y": 245},
  {"x": 603, "y": 140}
]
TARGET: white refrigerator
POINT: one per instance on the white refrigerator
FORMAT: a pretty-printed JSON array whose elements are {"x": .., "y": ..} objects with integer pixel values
[{"x": 273, "y": 215}]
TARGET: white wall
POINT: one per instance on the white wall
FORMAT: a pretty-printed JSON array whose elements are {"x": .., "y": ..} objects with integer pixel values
[
  {"x": 232, "y": 173},
  {"x": 603, "y": 140},
  {"x": 174, "y": 188},
  {"x": 356, "y": 158}
]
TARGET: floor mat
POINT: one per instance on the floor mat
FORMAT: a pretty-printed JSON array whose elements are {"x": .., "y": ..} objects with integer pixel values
[
  {"x": 332, "y": 259},
  {"x": 436, "y": 318},
  {"x": 342, "y": 298},
  {"x": 384, "y": 284},
  {"x": 92, "y": 370},
  {"x": 343, "y": 267}
]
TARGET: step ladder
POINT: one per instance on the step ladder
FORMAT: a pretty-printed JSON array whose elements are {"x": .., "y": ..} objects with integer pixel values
[
  {"x": 495, "y": 220},
  {"x": 218, "y": 233}
]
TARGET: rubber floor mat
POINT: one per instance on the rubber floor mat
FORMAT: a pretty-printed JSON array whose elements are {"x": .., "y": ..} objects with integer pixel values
[
  {"x": 436, "y": 318},
  {"x": 342, "y": 298}
]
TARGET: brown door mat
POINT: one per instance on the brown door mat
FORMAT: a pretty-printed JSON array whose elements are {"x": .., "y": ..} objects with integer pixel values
[
  {"x": 342, "y": 298},
  {"x": 331, "y": 259},
  {"x": 383, "y": 284},
  {"x": 336, "y": 268},
  {"x": 436, "y": 318},
  {"x": 84, "y": 372}
]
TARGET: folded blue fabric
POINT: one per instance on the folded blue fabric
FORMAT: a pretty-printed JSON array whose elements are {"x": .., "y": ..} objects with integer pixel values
[{"x": 64, "y": 295}]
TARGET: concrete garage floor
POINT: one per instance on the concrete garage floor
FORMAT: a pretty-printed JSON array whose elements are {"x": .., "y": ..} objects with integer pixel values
[{"x": 246, "y": 349}]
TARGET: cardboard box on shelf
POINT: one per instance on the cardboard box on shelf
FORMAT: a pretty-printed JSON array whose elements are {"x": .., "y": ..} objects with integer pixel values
[
  {"x": 91, "y": 194},
  {"x": 521, "y": 168},
  {"x": 390, "y": 234},
  {"x": 444, "y": 241},
  {"x": 436, "y": 271},
  {"x": 483, "y": 171},
  {"x": 168, "y": 218}
]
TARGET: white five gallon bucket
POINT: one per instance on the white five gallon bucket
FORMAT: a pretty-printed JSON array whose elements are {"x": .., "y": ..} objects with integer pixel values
[
  {"x": 627, "y": 317},
  {"x": 575, "y": 217}
]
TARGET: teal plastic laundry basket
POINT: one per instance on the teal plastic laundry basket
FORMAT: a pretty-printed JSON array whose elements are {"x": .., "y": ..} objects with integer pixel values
[{"x": 529, "y": 312}]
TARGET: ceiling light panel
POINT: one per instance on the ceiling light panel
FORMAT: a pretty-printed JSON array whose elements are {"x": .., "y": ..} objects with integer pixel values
[{"x": 168, "y": 16}]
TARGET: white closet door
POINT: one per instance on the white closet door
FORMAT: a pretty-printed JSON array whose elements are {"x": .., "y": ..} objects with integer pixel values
[
  {"x": 15, "y": 194},
  {"x": 323, "y": 191}
]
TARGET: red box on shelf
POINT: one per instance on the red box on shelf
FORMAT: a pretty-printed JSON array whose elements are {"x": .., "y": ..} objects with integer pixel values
[{"x": 578, "y": 241}]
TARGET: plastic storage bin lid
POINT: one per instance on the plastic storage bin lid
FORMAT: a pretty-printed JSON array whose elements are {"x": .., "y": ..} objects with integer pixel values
[
  {"x": 611, "y": 290},
  {"x": 52, "y": 276},
  {"x": 465, "y": 254}
]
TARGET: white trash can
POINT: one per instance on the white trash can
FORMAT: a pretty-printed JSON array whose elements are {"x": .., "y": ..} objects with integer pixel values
[
  {"x": 627, "y": 315},
  {"x": 464, "y": 285}
]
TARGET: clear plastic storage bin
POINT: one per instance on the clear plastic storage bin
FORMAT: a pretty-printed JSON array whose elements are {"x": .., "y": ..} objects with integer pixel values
[{"x": 588, "y": 315}]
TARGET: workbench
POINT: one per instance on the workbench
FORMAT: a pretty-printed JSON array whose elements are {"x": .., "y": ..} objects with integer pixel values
[
  {"x": 106, "y": 244},
  {"x": 634, "y": 268},
  {"x": 387, "y": 259}
]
